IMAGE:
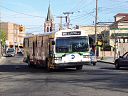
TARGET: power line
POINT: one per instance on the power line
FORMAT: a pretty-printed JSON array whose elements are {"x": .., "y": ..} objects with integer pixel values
[
  {"x": 119, "y": 0},
  {"x": 83, "y": 15},
  {"x": 113, "y": 7},
  {"x": 20, "y": 12},
  {"x": 77, "y": 5},
  {"x": 84, "y": 5}
]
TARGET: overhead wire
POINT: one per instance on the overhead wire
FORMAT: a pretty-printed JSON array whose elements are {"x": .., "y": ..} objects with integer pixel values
[
  {"x": 99, "y": 10},
  {"x": 84, "y": 5},
  {"x": 109, "y": 11},
  {"x": 20, "y": 12},
  {"x": 83, "y": 15},
  {"x": 78, "y": 9},
  {"x": 80, "y": 2},
  {"x": 79, "y": 5}
]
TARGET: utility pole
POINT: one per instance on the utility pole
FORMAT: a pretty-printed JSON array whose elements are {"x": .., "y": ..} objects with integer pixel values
[
  {"x": 1, "y": 36},
  {"x": 60, "y": 25},
  {"x": 67, "y": 18},
  {"x": 115, "y": 45},
  {"x": 96, "y": 17}
]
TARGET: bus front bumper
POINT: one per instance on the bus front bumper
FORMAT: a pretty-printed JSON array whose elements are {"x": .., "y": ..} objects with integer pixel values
[{"x": 72, "y": 64}]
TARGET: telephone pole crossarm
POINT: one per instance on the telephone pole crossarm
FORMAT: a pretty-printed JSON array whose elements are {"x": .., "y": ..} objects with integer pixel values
[
  {"x": 60, "y": 25},
  {"x": 67, "y": 18}
]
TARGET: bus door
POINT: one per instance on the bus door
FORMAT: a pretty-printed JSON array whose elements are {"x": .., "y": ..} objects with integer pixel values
[
  {"x": 33, "y": 49},
  {"x": 51, "y": 53},
  {"x": 51, "y": 46},
  {"x": 34, "y": 46}
]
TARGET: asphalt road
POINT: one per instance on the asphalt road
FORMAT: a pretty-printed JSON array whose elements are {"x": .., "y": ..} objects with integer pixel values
[{"x": 16, "y": 79}]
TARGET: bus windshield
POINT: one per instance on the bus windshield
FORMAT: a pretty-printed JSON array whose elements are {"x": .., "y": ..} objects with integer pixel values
[{"x": 72, "y": 44}]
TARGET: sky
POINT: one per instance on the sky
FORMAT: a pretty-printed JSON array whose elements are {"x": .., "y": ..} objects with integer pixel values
[{"x": 32, "y": 13}]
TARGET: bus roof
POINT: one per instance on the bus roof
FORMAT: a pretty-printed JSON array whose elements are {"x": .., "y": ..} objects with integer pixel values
[{"x": 60, "y": 31}]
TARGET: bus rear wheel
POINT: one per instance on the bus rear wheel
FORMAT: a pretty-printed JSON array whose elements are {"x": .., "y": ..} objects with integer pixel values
[
  {"x": 47, "y": 65},
  {"x": 94, "y": 63},
  {"x": 79, "y": 67},
  {"x": 30, "y": 65}
]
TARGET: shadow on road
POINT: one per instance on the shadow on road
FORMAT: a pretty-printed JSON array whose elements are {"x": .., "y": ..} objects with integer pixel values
[
  {"x": 96, "y": 79},
  {"x": 113, "y": 68},
  {"x": 25, "y": 68}
]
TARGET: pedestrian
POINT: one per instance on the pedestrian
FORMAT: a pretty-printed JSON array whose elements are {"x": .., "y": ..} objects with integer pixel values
[{"x": 91, "y": 56}]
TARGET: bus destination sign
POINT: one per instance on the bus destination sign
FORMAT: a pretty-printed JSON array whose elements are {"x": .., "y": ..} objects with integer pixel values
[{"x": 71, "y": 33}]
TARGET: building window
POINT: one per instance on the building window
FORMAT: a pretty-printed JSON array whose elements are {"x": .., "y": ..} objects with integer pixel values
[
  {"x": 47, "y": 29},
  {"x": 50, "y": 29},
  {"x": 42, "y": 42}
]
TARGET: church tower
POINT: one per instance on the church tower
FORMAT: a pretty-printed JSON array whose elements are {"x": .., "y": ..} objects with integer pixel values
[{"x": 49, "y": 25}]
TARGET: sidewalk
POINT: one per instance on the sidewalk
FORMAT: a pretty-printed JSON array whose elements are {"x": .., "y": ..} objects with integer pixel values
[
  {"x": 2, "y": 59},
  {"x": 109, "y": 60}
]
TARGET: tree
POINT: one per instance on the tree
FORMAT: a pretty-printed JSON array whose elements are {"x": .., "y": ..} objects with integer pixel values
[{"x": 3, "y": 37}]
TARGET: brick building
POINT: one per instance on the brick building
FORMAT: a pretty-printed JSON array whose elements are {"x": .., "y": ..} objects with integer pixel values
[{"x": 14, "y": 36}]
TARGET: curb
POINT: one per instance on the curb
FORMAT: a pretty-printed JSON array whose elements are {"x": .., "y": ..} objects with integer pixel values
[
  {"x": 2, "y": 59},
  {"x": 106, "y": 62}
]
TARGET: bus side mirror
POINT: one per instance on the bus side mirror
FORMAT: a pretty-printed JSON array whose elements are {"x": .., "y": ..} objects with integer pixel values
[
  {"x": 53, "y": 42},
  {"x": 51, "y": 53}
]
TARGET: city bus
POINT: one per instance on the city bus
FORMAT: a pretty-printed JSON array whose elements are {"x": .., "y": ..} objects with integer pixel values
[{"x": 62, "y": 49}]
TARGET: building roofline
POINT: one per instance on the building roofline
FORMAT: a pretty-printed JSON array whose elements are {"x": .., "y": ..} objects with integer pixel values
[{"x": 121, "y": 14}]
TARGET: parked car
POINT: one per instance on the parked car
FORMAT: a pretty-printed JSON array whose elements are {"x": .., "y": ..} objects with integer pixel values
[
  {"x": 10, "y": 52},
  {"x": 20, "y": 51},
  {"x": 122, "y": 61}
]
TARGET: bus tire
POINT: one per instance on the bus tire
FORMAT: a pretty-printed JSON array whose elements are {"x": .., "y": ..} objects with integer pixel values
[
  {"x": 94, "y": 63},
  {"x": 30, "y": 65},
  {"x": 47, "y": 65},
  {"x": 79, "y": 67}
]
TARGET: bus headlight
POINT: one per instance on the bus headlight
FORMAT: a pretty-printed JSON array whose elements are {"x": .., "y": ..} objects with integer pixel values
[
  {"x": 85, "y": 56},
  {"x": 57, "y": 58}
]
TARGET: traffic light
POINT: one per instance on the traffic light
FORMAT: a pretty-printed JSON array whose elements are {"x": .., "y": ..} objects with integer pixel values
[
  {"x": 100, "y": 43},
  {"x": 21, "y": 28}
]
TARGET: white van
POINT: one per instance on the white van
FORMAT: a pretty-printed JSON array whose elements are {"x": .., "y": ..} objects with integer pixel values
[{"x": 10, "y": 52}]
